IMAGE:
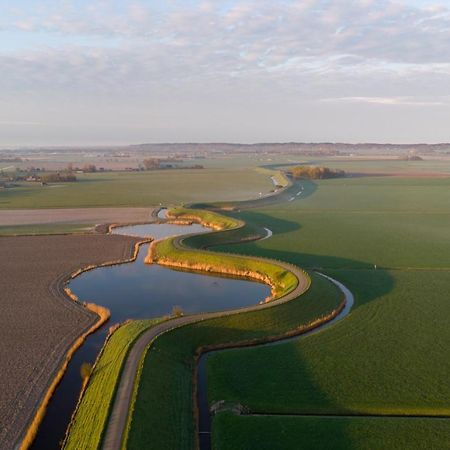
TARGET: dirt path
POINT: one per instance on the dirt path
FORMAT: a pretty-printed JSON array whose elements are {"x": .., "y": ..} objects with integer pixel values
[
  {"x": 118, "y": 419},
  {"x": 119, "y": 415}
]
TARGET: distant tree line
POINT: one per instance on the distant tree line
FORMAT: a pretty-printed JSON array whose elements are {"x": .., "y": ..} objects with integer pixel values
[
  {"x": 157, "y": 164},
  {"x": 315, "y": 172},
  {"x": 411, "y": 157},
  {"x": 58, "y": 177}
]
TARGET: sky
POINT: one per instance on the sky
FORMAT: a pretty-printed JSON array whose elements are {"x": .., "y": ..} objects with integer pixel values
[{"x": 97, "y": 72}]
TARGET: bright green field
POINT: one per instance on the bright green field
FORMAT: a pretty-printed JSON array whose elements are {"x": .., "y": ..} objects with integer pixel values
[
  {"x": 391, "y": 354},
  {"x": 388, "y": 356},
  {"x": 295, "y": 433},
  {"x": 92, "y": 414},
  {"x": 140, "y": 189},
  {"x": 163, "y": 415},
  {"x": 356, "y": 223}
]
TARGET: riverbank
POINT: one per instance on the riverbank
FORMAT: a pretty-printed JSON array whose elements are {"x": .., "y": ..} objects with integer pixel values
[
  {"x": 173, "y": 252},
  {"x": 287, "y": 282},
  {"x": 93, "y": 409},
  {"x": 40, "y": 323}
]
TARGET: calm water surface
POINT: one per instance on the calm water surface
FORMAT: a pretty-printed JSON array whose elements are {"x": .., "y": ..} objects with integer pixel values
[
  {"x": 159, "y": 230},
  {"x": 135, "y": 291}
]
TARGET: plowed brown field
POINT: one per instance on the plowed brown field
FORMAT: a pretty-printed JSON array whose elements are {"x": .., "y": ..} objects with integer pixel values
[{"x": 38, "y": 322}]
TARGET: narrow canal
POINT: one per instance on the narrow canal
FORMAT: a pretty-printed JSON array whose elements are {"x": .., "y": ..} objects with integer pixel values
[{"x": 136, "y": 291}]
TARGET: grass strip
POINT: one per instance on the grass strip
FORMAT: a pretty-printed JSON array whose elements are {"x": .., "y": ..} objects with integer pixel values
[
  {"x": 207, "y": 218},
  {"x": 90, "y": 418},
  {"x": 169, "y": 253}
]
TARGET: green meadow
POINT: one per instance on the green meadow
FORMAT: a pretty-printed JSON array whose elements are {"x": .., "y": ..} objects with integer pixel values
[
  {"x": 140, "y": 189},
  {"x": 389, "y": 356},
  {"x": 163, "y": 416},
  {"x": 307, "y": 433}
]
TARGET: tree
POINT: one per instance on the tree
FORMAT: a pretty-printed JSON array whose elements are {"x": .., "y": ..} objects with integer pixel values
[
  {"x": 177, "y": 311},
  {"x": 85, "y": 371},
  {"x": 151, "y": 163},
  {"x": 315, "y": 172},
  {"x": 89, "y": 168}
]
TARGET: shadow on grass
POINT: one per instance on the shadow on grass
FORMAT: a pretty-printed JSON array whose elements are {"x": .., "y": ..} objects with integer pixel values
[
  {"x": 305, "y": 187},
  {"x": 247, "y": 376},
  {"x": 276, "y": 379}
]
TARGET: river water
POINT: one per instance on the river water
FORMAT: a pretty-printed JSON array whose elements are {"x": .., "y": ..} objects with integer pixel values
[{"x": 136, "y": 291}]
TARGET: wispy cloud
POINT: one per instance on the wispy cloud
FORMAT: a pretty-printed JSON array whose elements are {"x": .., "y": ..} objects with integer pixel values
[
  {"x": 394, "y": 101},
  {"x": 384, "y": 52}
]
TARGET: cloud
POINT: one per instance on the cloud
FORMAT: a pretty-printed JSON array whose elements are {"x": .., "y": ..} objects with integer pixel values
[
  {"x": 313, "y": 52},
  {"x": 394, "y": 101}
]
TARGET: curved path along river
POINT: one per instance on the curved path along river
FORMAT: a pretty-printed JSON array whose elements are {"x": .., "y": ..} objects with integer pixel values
[
  {"x": 118, "y": 419},
  {"x": 204, "y": 423},
  {"x": 116, "y": 426}
]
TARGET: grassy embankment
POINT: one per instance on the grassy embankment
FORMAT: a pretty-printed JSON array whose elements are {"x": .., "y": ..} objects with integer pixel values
[
  {"x": 89, "y": 422},
  {"x": 170, "y": 362},
  {"x": 389, "y": 355},
  {"x": 278, "y": 177},
  {"x": 171, "y": 252},
  {"x": 206, "y": 218}
]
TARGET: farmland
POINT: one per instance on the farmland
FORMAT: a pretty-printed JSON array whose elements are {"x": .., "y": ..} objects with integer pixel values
[
  {"x": 139, "y": 189},
  {"x": 288, "y": 433},
  {"x": 389, "y": 355},
  {"x": 67, "y": 216},
  {"x": 38, "y": 321},
  {"x": 387, "y": 240},
  {"x": 169, "y": 364},
  {"x": 64, "y": 220}
]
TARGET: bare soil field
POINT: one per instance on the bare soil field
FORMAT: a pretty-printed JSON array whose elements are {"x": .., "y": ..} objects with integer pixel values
[
  {"x": 73, "y": 215},
  {"x": 38, "y": 322}
]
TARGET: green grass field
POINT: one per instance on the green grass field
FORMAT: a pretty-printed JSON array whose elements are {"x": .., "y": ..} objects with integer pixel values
[
  {"x": 93, "y": 411},
  {"x": 294, "y": 433},
  {"x": 163, "y": 414},
  {"x": 390, "y": 354},
  {"x": 140, "y": 189}
]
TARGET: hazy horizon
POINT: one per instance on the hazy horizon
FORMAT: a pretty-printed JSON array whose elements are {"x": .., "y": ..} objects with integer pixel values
[{"x": 100, "y": 72}]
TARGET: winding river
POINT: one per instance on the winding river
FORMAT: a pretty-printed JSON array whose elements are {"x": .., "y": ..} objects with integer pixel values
[{"x": 136, "y": 291}]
